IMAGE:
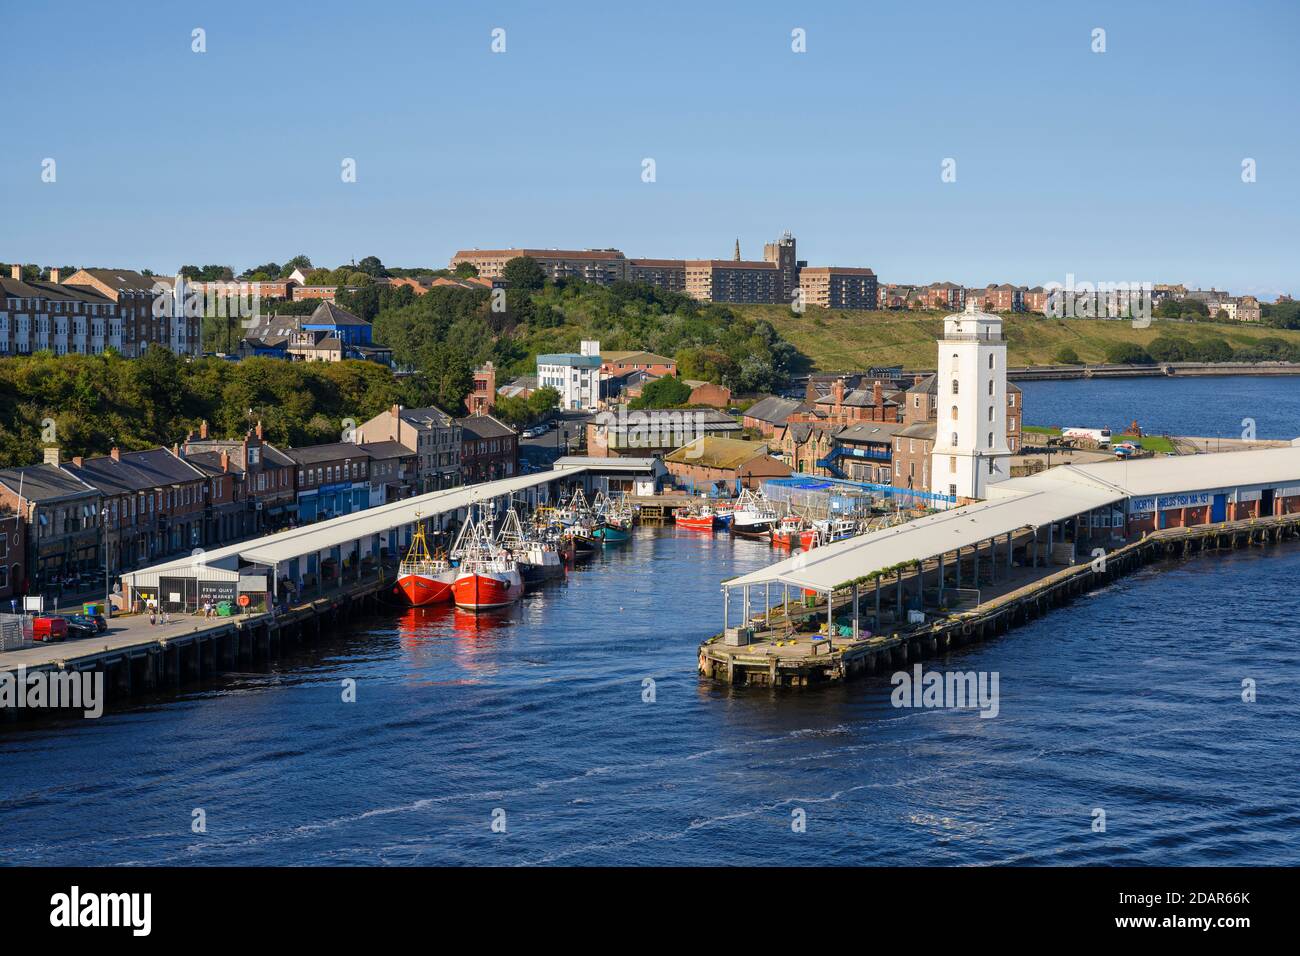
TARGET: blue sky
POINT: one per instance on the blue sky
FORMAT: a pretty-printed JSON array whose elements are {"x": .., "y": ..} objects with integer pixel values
[{"x": 1123, "y": 165}]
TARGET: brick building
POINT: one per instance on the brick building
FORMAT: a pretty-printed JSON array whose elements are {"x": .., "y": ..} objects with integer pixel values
[
  {"x": 835, "y": 287},
  {"x": 37, "y": 315},
  {"x": 489, "y": 449},
  {"x": 483, "y": 396},
  {"x": 61, "y": 514},
  {"x": 155, "y": 502},
  {"x": 430, "y": 432},
  {"x": 251, "y": 484},
  {"x": 723, "y": 280},
  {"x": 602, "y": 266}
]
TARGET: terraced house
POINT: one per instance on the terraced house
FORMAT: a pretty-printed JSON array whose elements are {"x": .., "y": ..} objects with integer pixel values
[
  {"x": 153, "y": 501},
  {"x": 62, "y": 515},
  {"x": 36, "y": 315}
]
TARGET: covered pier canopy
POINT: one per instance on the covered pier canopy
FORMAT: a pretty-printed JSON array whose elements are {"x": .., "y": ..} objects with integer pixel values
[
  {"x": 272, "y": 549},
  {"x": 1032, "y": 502}
]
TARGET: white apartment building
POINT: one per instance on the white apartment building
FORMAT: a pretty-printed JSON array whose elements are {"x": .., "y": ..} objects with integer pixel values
[{"x": 575, "y": 377}]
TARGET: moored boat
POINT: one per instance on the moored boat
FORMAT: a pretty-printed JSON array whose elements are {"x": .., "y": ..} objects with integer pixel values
[
  {"x": 423, "y": 577},
  {"x": 695, "y": 518},
  {"x": 754, "y": 514},
  {"x": 488, "y": 575},
  {"x": 786, "y": 533}
]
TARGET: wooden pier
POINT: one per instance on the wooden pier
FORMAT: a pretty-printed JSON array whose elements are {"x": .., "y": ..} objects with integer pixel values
[{"x": 782, "y": 656}]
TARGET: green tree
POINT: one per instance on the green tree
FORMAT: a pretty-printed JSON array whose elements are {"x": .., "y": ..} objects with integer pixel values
[
  {"x": 466, "y": 270},
  {"x": 1067, "y": 356},
  {"x": 449, "y": 374},
  {"x": 524, "y": 273},
  {"x": 666, "y": 392},
  {"x": 1126, "y": 353}
]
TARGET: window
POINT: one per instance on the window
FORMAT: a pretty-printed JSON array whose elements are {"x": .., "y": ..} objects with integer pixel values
[
  {"x": 990, "y": 413},
  {"x": 990, "y": 386},
  {"x": 954, "y": 441},
  {"x": 952, "y": 463},
  {"x": 954, "y": 413},
  {"x": 990, "y": 439},
  {"x": 955, "y": 388},
  {"x": 990, "y": 360}
]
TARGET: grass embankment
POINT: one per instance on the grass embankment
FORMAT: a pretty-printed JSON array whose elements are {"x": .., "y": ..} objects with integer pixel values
[
  {"x": 1155, "y": 443},
  {"x": 835, "y": 339}
]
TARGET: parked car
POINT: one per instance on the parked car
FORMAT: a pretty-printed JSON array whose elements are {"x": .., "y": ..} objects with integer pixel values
[
  {"x": 537, "y": 431},
  {"x": 49, "y": 627},
  {"x": 95, "y": 621},
  {"x": 79, "y": 627}
]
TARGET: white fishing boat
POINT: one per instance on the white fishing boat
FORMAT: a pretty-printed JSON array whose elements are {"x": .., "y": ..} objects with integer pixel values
[{"x": 755, "y": 516}]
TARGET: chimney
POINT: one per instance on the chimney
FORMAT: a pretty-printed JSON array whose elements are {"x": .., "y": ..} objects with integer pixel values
[
  {"x": 916, "y": 379},
  {"x": 837, "y": 392},
  {"x": 225, "y": 460},
  {"x": 115, "y": 453},
  {"x": 176, "y": 450},
  {"x": 52, "y": 452},
  {"x": 203, "y": 429},
  {"x": 878, "y": 394},
  {"x": 259, "y": 429},
  {"x": 54, "y": 276},
  {"x": 16, "y": 271},
  {"x": 77, "y": 460},
  {"x": 396, "y": 410}
]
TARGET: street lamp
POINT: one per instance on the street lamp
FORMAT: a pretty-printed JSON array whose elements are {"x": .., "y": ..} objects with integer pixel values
[{"x": 108, "y": 607}]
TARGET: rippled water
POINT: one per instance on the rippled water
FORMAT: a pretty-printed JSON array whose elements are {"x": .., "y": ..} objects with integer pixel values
[
  {"x": 1201, "y": 407},
  {"x": 1128, "y": 700}
]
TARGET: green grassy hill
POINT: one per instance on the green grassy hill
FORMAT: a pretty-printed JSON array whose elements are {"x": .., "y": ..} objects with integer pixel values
[{"x": 834, "y": 339}]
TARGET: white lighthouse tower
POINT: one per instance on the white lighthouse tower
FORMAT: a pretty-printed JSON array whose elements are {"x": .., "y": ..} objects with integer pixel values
[{"x": 970, "y": 439}]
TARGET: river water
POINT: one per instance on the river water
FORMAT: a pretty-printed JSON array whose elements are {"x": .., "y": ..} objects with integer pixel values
[
  {"x": 1209, "y": 407},
  {"x": 1128, "y": 701}
]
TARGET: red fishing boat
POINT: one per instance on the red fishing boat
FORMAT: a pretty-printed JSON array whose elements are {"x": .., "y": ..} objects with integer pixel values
[
  {"x": 695, "y": 518},
  {"x": 487, "y": 575},
  {"x": 423, "y": 577},
  {"x": 786, "y": 533}
]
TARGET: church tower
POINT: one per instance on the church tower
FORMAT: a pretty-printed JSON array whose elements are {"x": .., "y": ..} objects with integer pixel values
[
  {"x": 736, "y": 257},
  {"x": 970, "y": 440}
]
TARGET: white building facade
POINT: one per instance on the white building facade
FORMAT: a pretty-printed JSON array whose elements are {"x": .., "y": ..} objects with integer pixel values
[
  {"x": 575, "y": 377},
  {"x": 970, "y": 442}
]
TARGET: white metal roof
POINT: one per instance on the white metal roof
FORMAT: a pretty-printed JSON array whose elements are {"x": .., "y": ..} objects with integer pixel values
[
  {"x": 1035, "y": 501},
  {"x": 308, "y": 539},
  {"x": 1020, "y": 503},
  {"x": 362, "y": 524},
  {"x": 1229, "y": 469},
  {"x": 596, "y": 463}
]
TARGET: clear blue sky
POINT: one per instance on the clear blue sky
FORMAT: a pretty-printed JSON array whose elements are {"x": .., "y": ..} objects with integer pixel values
[{"x": 1118, "y": 166}]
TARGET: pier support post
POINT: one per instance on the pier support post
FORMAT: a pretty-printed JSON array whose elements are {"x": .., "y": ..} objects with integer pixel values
[
  {"x": 957, "y": 562},
  {"x": 875, "y": 622},
  {"x": 898, "y": 595},
  {"x": 942, "y": 576},
  {"x": 855, "y": 611},
  {"x": 975, "y": 565},
  {"x": 726, "y": 609}
]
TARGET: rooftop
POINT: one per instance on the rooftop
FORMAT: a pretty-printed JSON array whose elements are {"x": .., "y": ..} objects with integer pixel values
[{"x": 712, "y": 451}]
